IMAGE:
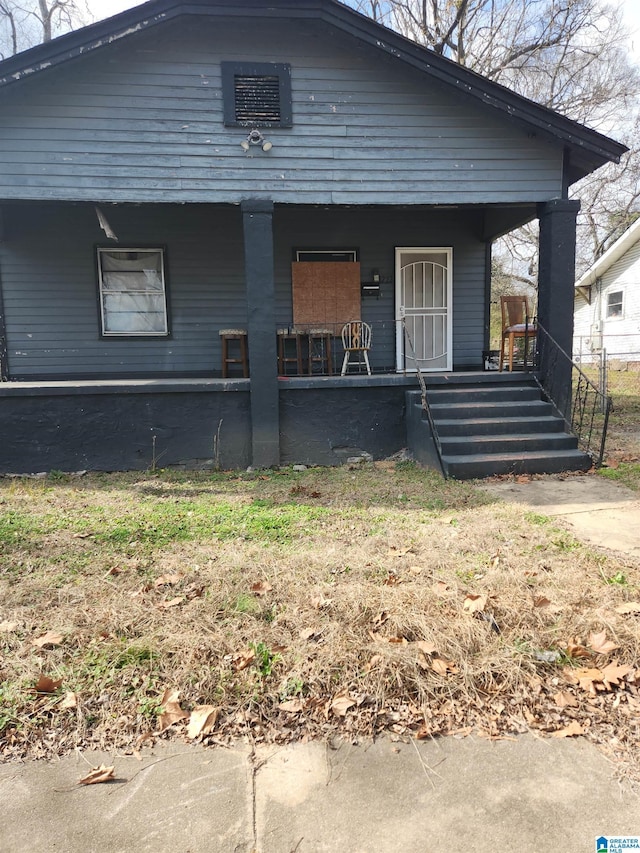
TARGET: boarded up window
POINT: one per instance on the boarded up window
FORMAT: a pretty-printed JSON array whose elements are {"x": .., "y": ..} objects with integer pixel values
[
  {"x": 256, "y": 94},
  {"x": 325, "y": 294}
]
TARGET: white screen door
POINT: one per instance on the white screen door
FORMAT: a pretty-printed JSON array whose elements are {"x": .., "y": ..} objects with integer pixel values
[{"x": 423, "y": 308}]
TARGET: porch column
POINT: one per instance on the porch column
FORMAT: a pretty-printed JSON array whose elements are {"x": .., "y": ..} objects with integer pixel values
[
  {"x": 4, "y": 355},
  {"x": 556, "y": 279},
  {"x": 257, "y": 223}
]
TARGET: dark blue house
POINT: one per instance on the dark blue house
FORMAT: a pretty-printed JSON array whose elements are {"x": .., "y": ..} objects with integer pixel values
[{"x": 274, "y": 167}]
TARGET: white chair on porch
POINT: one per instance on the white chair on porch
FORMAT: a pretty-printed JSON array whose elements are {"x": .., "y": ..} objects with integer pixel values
[{"x": 356, "y": 340}]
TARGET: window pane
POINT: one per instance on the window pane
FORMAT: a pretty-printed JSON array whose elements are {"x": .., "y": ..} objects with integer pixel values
[
  {"x": 134, "y": 313},
  {"x": 136, "y": 281},
  {"x": 131, "y": 260},
  {"x": 614, "y": 304},
  {"x": 132, "y": 292}
]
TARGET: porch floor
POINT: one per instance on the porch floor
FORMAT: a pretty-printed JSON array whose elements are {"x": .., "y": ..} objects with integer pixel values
[{"x": 186, "y": 384}]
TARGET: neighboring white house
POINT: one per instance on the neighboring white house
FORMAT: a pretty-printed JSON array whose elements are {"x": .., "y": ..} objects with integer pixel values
[{"x": 607, "y": 302}]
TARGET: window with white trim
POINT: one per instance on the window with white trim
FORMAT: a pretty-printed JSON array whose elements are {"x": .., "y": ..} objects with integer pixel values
[
  {"x": 133, "y": 298},
  {"x": 614, "y": 304}
]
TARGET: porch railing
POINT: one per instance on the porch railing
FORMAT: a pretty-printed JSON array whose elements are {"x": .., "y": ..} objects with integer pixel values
[
  {"x": 425, "y": 401},
  {"x": 583, "y": 406}
]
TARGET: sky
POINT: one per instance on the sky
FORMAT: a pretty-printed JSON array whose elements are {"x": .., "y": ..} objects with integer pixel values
[
  {"x": 105, "y": 8},
  {"x": 632, "y": 16}
]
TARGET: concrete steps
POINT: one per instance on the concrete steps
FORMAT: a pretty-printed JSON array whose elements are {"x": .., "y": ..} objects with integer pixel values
[{"x": 492, "y": 427}]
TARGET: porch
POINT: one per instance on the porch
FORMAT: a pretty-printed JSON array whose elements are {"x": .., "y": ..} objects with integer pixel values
[{"x": 83, "y": 392}]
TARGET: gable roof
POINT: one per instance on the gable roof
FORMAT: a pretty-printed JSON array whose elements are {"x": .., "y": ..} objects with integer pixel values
[
  {"x": 613, "y": 254},
  {"x": 587, "y": 149}
]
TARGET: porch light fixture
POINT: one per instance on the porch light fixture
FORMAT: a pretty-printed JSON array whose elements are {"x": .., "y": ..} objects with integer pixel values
[{"x": 256, "y": 138}]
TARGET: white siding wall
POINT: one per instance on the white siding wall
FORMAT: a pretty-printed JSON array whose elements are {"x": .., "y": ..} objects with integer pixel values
[{"x": 620, "y": 336}]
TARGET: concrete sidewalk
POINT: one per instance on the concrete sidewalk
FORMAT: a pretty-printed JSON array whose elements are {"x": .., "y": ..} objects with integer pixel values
[
  {"x": 598, "y": 511},
  {"x": 525, "y": 795}
]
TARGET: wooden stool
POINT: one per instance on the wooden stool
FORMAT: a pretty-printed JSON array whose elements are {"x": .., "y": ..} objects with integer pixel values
[
  {"x": 228, "y": 336},
  {"x": 320, "y": 350},
  {"x": 289, "y": 351}
]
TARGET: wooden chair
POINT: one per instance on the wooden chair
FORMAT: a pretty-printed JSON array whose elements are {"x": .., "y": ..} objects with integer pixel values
[
  {"x": 320, "y": 351},
  {"x": 356, "y": 339},
  {"x": 517, "y": 325},
  {"x": 289, "y": 351},
  {"x": 227, "y": 337}
]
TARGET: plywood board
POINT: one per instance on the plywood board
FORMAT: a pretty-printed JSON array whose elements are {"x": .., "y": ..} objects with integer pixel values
[{"x": 325, "y": 293}]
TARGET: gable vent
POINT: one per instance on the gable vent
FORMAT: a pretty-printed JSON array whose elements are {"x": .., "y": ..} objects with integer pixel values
[
  {"x": 256, "y": 94},
  {"x": 257, "y": 99}
]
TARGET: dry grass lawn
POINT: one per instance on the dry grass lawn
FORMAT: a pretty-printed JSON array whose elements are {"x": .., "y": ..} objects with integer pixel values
[{"x": 284, "y": 605}]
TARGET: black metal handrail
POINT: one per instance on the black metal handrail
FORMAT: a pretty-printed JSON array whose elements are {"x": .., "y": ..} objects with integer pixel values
[
  {"x": 583, "y": 406},
  {"x": 425, "y": 402}
]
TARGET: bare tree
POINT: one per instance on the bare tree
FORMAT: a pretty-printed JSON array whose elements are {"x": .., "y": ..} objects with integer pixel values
[
  {"x": 569, "y": 55},
  {"x": 25, "y": 23}
]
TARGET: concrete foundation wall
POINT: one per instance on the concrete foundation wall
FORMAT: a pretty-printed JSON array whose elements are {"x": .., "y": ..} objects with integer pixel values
[
  {"x": 131, "y": 429},
  {"x": 328, "y": 425},
  {"x": 192, "y": 423}
]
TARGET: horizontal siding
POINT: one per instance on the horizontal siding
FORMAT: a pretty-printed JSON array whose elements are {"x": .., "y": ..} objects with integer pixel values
[
  {"x": 624, "y": 275},
  {"x": 142, "y": 121},
  {"x": 49, "y": 281},
  {"x": 619, "y": 335},
  {"x": 376, "y": 234},
  {"x": 50, "y": 293}
]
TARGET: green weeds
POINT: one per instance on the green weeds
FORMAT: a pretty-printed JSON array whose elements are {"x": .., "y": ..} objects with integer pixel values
[
  {"x": 265, "y": 659},
  {"x": 627, "y": 473}
]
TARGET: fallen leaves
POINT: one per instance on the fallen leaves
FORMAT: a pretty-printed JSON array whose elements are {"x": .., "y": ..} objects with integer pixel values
[
  {"x": 167, "y": 580},
  {"x": 442, "y": 666},
  {"x": 340, "y": 704},
  {"x": 599, "y": 643},
  {"x": 174, "y": 602},
  {"x": 574, "y": 729},
  {"x": 97, "y": 775},
  {"x": 628, "y": 607},
  {"x": 594, "y": 679},
  {"x": 564, "y": 699},
  {"x": 311, "y": 634},
  {"x": 241, "y": 660},
  {"x": 613, "y": 674},
  {"x": 51, "y": 638},
  {"x": 292, "y": 706},
  {"x": 46, "y": 684},
  {"x": 7, "y": 627},
  {"x": 474, "y": 603},
  {"x": 261, "y": 587},
  {"x": 69, "y": 701},
  {"x": 202, "y": 720},
  {"x": 426, "y": 647},
  {"x": 399, "y": 552},
  {"x": 170, "y": 710}
]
